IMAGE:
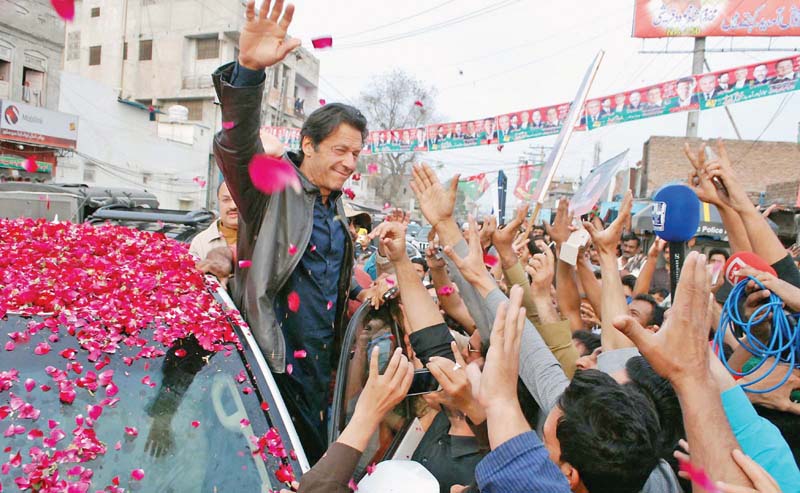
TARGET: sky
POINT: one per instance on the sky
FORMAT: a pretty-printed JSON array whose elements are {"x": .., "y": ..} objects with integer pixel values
[{"x": 519, "y": 54}]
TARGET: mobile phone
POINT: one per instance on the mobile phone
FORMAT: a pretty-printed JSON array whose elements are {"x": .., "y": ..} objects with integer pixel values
[
  {"x": 390, "y": 293},
  {"x": 423, "y": 383}
]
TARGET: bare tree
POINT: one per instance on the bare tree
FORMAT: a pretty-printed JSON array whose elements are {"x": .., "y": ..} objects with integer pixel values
[{"x": 388, "y": 101}]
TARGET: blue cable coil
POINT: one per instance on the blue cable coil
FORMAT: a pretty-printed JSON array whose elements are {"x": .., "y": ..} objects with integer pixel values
[{"x": 784, "y": 342}]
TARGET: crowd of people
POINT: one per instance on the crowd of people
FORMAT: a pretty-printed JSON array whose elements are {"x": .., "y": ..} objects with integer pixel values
[{"x": 548, "y": 376}]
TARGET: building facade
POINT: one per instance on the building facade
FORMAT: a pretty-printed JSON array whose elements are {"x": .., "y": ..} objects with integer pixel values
[
  {"x": 758, "y": 164},
  {"x": 31, "y": 48},
  {"x": 161, "y": 53}
]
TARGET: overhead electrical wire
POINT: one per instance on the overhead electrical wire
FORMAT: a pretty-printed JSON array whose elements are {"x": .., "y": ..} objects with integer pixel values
[
  {"x": 430, "y": 28},
  {"x": 394, "y": 23}
]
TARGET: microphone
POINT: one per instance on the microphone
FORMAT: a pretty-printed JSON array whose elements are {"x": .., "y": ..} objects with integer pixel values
[
  {"x": 745, "y": 259},
  {"x": 676, "y": 216}
]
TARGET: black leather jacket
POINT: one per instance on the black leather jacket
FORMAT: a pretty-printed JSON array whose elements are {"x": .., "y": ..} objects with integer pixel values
[{"x": 268, "y": 224}]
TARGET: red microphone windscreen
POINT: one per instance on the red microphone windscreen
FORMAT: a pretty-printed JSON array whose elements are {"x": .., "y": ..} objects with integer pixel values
[{"x": 745, "y": 259}]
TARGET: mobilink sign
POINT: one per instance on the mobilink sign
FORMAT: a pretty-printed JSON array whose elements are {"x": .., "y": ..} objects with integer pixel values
[{"x": 20, "y": 122}]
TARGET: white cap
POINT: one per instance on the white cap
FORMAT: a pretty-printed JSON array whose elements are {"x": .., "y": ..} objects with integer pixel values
[{"x": 399, "y": 476}]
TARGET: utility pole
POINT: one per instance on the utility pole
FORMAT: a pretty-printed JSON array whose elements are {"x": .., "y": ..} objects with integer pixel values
[{"x": 693, "y": 118}]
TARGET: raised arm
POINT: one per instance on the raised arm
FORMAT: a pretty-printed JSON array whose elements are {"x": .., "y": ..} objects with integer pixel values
[
  {"x": 449, "y": 298},
  {"x": 263, "y": 43},
  {"x": 645, "y": 278},
  {"x": 613, "y": 300},
  {"x": 567, "y": 296},
  {"x": 421, "y": 311},
  {"x": 700, "y": 181},
  {"x": 503, "y": 240},
  {"x": 679, "y": 352}
]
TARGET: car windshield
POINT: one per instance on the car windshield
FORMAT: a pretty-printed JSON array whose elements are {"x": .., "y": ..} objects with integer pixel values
[
  {"x": 122, "y": 368},
  {"x": 178, "y": 422}
]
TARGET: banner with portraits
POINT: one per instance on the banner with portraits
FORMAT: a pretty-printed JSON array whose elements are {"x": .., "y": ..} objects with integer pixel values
[
  {"x": 691, "y": 93},
  {"x": 700, "y": 18},
  {"x": 698, "y": 92}
]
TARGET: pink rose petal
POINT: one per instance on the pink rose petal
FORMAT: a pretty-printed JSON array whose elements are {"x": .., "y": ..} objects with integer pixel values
[
  {"x": 418, "y": 103},
  {"x": 30, "y": 384},
  {"x": 293, "y": 301},
  {"x": 352, "y": 485},
  {"x": 244, "y": 264},
  {"x": 322, "y": 102},
  {"x": 195, "y": 424},
  {"x": 292, "y": 249},
  {"x": 349, "y": 193},
  {"x": 94, "y": 412},
  {"x": 264, "y": 406},
  {"x": 371, "y": 468},
  {"x": 118, "y": 445},
  {"x": 10, "y": 346},
  {"x": 41, "y": 349},
  {"x": 445, "y": 291},
  {"x": 227, "y": 125},
  {"x": 289, "y": 369},
  {"x": 64, "y": 8},
  {"x": 272, "y": 175},
  {"x": 180, "y": 353},
  {"x": 372, "y": 168},
  {"x": 137, "y": 474},
  {"x": 330, "y": 305},
  {"x": 244, "y": 422},
  {"x": 300, "y": 354},
  {"x": 322, "y": 42},
  {"x": 132, "y": 431}
]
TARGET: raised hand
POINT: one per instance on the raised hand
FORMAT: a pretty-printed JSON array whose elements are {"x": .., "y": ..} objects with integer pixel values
[
  {"x": 787, "y": 292},
  {"x": 456, "y": 386},
  {"x": 606, "y": 240},
  {"x": 472, "y": 266},
  {"x": 699, "y": 181},
  {"x": 562, "y": 224},
  {"x": 679, "y": 351},
  {"x": 436, "y": 202},
  {"x": 542, "y": 270},
  {"x": 383, "y": 392},
  {"x": 263, "y": 41},
  {"x": 487, "y": 231},
  {"x": 501, "y": 370},
  {"x": 503, "y": 238},
  {"x": 392, "y": 238}
]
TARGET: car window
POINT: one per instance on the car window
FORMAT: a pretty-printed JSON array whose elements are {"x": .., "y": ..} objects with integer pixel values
[
  {"x": 369, "y": 328},
  {"x": 184, "y": 420}
]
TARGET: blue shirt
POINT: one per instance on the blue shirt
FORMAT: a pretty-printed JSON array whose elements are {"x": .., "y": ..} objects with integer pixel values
[
  {"x": 520, "y": 465},
  {"x": 316, "y": 282},
  {"x": 761, "y": 440}
]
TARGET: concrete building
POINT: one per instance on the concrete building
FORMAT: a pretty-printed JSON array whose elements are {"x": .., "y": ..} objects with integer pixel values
[
  {"x": 758, "y": 164},
  {"x": 31, "y": 48},
  {"x": 163, "y": 52},
  {"x": 119, "y": 146}
]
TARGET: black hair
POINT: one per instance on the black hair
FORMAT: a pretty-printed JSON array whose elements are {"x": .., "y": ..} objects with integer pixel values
[
  {"x": 662, "y": 291},
  {"x": 421, "y": 261},
  {"x": 589, "y": 339},
  {"x": 690, "y": 80},
  {"x": 326, "y": 119},
  {"x": 629, "y": 280},
  {"x": 668, "y": 409},
  {"x": 631, "y": 236},
  {"x": 219, "y": 187},
  {"x": 608, "y": 432},
  {"x": 657, "y": 317},
  {"x": 718, "y": 251}
]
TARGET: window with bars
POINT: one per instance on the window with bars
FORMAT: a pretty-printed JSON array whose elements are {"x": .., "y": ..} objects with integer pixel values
[
  {"x": 207, "y": 48},
  {"x": 95, "y": 12},
  {"x": 94, "y": 55},
  {"x": 145, "y": 50},
  {"x": 195, "y": 108}
]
